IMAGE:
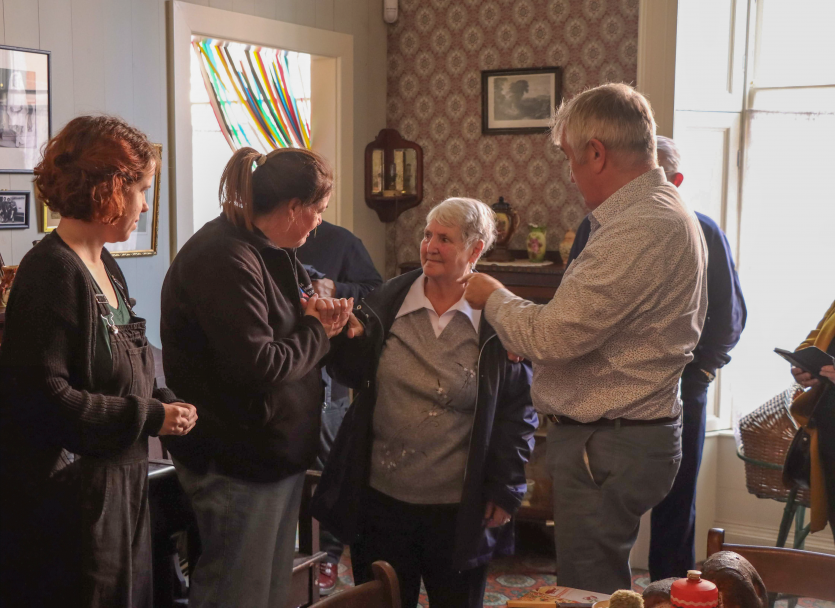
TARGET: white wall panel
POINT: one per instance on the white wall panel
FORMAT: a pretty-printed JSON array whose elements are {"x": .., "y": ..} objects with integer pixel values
[
  {"x": 21, "y": 23},
  {"x": 2, "y": 23},
  {"x": 21, "y": 29},
  {"x": 324, "y": 14},
  {"x": 89, "y": 48},
  {"x": 54, "y": 16},
  {"x": 118, "y": 59}
]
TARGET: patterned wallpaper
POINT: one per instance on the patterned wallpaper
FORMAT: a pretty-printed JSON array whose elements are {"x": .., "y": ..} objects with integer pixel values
[{"x": 436, "y": 51}]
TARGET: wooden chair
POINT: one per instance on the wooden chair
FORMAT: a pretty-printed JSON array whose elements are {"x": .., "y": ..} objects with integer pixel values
[
  {"x": 383, "y": 592},
  {"x": 785, "y": 571}
]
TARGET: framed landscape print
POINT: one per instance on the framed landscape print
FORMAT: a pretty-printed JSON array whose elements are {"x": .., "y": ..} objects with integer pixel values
[
  {"x": 25, "y": 111},
  {"x": 14, "y": 209},
  {"x": 519, "y": 101},
  {"x": 143, "y": 240}
]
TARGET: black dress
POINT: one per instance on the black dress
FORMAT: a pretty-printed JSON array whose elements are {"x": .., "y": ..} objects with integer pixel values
[{"x": 75, "y": 527}]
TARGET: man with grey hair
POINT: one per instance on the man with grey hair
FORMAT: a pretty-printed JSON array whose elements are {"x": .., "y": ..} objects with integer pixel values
[
  {"x": 673, "y": 526},
  {"x": 609, "y": 348}
]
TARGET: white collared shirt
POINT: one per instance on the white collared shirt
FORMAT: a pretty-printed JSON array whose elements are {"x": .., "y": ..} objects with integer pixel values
[{"x": 416, "y": 300}]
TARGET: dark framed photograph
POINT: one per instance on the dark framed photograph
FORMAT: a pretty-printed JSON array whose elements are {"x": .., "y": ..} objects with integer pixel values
[
  {"x": 25, "y": 107},
  {"x": 14, "y": 209},
  {"x": 519, "y": 101}
]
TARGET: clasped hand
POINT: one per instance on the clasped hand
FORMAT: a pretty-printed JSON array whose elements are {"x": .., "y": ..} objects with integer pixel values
[{"x": 332, "y": 313}]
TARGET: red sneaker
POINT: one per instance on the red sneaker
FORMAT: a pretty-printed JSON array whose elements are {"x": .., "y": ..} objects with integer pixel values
[{"x": 327, "y": 578}]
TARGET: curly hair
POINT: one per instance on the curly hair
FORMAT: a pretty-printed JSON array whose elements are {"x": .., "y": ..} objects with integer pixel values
[{"x": 87, "y": 168}]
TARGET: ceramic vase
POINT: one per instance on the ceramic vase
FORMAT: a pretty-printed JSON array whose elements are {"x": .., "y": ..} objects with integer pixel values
[{"x": 536, "y": 243}]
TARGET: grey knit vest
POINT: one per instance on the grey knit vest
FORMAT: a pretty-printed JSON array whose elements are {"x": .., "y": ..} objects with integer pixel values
[{"x": 424, "y": 411}]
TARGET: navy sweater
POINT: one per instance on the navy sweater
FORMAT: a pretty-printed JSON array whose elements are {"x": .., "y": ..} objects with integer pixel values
[{"x": 341, "y": 257}]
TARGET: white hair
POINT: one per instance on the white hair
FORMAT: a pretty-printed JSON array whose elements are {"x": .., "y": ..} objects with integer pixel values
[
  {"x": 669, "y": 157},
  {"x": 615, "y": 114},
  {"x": 475, "y": 220}
]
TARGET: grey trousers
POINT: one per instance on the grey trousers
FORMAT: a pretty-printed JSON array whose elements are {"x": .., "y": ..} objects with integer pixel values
[
  {"x": 248, "y": 532},
  {"x": 605, "y": 478}
]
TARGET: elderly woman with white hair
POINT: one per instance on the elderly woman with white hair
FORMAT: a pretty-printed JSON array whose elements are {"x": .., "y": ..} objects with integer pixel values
[{"x": 429, "y": 464}]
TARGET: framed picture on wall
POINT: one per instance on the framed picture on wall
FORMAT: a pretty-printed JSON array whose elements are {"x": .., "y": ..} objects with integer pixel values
[
  {"x": 143, "y": 240},
  {"x": 25, "y": 107},
  {"x": 50, "y": 218},
  {"x": 519, "y": 101},
  {"x": 14, "y": 209}
]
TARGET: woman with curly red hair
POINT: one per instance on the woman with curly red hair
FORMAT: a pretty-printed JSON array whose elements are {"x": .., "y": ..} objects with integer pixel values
[{"x": 77, "y": 386}]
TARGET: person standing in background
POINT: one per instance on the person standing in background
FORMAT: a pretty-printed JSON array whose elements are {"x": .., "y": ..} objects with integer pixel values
[
  {"x": 814, "y": 409},
  {"x": 673, "y": 526},
  {"x": 340, "y": 267}
]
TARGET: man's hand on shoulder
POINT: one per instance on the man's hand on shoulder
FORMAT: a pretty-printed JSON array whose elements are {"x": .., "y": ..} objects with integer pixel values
[{"x": 479, "y": 288}]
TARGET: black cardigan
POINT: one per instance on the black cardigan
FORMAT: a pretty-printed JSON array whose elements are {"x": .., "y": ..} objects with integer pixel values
[{"x": 49, "y": 395}]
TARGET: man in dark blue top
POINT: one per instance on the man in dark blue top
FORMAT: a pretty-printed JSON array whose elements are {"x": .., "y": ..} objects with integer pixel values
[
  {"x": 339, "y": 267},
  {"x": 672, "y": 548}
]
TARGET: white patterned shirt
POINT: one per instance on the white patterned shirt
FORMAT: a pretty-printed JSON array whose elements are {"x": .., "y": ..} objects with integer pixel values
[{"x": 613, "y": 341}]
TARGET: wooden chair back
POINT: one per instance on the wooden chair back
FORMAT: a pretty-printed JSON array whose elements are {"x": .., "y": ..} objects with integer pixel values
[
  {"x": 382, "y": 592},
  {"x": 787, "y": 571}
]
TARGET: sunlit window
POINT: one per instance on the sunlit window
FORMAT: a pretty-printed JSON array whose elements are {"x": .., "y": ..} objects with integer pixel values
[
  {"x": 211, "y": 146},
  {"x": 787, "y": 218}
]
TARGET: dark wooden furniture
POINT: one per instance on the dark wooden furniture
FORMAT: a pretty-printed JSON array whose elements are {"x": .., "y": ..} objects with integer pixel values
[
  {"x": 383, "y": 592},
  {"x": 785, "y": 571},
  {"x": 393, "y": 174}
]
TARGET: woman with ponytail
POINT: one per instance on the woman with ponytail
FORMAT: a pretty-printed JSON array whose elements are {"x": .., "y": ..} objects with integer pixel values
[{"x": 243, "y": 335}]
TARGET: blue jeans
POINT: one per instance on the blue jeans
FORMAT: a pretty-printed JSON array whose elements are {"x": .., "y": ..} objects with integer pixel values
[
  {"x": 672, "y": 549},
  {"x": 248, "y": 531},
  {"x": 598, "y": 503}
]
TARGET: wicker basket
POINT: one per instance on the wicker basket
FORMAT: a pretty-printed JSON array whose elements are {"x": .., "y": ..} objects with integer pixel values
[{"x": 764, "y": 436}]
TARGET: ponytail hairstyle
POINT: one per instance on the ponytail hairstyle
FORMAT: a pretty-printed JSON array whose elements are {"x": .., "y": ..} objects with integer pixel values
[{"x": 277, "y": 178}]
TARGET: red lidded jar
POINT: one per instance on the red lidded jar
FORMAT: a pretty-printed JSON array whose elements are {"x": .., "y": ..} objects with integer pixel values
[{"x": 693, "y": 592}]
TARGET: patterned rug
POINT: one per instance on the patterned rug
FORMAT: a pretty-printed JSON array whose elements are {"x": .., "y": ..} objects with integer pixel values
[{"x": 512, "y": 577}]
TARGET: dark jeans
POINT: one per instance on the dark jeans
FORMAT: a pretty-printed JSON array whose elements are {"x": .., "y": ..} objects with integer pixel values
[
  {"x": 673, "y": 524},
  {"x": 417, "y": 541},
  {"x": 336, "y": 403}
]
